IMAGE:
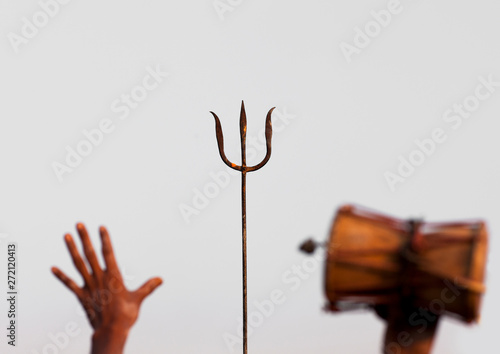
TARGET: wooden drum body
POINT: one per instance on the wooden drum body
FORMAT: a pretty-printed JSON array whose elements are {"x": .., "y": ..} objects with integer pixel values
[{"x": 378, "y": 260}]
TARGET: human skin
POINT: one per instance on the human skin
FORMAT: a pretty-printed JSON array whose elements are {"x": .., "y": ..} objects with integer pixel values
[
  {"x": 402, "y": 336},
  {"x": 111, "y": 308}
]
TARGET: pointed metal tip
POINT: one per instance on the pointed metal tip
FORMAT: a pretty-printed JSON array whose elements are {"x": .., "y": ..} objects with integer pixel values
[{"x": 243, "y": 114}]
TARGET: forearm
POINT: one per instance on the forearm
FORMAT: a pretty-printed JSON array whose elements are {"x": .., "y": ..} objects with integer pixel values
[
  {"x": 405, "y": 338},
  {"x": 109, "y": 341}
]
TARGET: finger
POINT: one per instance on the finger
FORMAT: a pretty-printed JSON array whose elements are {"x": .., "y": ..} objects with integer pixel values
[
  {"x": 147, "y": 288},
  {"x": 88, "y": 249},
  {"x": 66, "y": 281},
  {"x": 107, "y": 251},
  {"x": 78, "y": 260}
]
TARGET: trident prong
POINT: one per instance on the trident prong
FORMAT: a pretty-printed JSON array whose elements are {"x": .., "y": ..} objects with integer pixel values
[
  {"x": 243, "y": 133},
  {"x": 243, "y": 168}
]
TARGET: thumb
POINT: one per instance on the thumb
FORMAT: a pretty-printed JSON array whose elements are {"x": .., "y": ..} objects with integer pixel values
[{"x": 148, "y": 287}]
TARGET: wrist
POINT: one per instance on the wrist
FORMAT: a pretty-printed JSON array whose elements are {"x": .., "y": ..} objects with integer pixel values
[{"x": 109, "y": 340}]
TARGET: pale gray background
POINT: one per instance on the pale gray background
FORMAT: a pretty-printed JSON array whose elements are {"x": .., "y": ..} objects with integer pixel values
[{"x": 351, "y": 123}]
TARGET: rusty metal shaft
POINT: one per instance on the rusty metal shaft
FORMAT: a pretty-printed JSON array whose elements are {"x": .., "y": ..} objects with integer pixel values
[{"x": 243, "y": 168}]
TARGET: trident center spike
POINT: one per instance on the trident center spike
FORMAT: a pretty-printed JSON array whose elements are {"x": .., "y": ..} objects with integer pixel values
[{"x": 243, "y": 168}]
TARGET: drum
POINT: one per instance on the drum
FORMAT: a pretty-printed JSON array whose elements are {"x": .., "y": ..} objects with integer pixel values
[{"x": 373, "y": 260}]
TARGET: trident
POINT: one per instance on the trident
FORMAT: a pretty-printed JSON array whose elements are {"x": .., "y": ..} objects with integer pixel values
[{"x": 244, "y": 169}]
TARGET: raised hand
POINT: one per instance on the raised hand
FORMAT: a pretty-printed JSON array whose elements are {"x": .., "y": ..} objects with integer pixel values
[
  {"x": 110, "y": 307},
  {"x": 405, "y": 334}
]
